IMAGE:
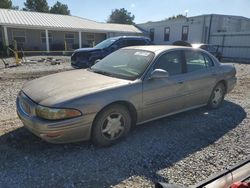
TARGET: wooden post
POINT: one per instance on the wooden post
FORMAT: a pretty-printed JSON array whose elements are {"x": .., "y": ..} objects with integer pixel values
[
  {"x": 80, "y": 39},
  {"x": 47, "y": 40}
]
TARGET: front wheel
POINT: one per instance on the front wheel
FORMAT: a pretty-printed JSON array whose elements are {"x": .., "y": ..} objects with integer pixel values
[
  {"x": 111, "y": 125},
  {"x": 217, "y": 96}
]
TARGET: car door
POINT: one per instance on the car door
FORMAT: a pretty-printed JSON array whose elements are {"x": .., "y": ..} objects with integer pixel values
[
  {"x": 165, "y": 95},
  {"x": 200, "y": 77}
]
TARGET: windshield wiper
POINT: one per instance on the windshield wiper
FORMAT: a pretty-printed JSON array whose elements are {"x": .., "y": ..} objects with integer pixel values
[{"x": 102, "y": 72}]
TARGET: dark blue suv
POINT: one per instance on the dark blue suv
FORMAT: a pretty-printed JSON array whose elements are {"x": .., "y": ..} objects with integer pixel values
[{"x": 86, "y": 57}]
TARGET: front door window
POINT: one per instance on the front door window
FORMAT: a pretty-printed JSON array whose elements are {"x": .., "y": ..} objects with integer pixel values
[{"x": 170, "y": 62}]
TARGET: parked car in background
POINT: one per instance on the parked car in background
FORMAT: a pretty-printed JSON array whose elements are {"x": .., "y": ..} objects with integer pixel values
[
  {"x": 182, "y": 43},
  {"x": 86, "y": 57},
  {"x": 130, "y": 86},
  {"x": 210, "y": 48}
]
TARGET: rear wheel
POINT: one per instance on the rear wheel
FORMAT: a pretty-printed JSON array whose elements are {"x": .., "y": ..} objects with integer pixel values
[
  {"x": 217, "y": 96},
  {"x": 111, "y": 125}
]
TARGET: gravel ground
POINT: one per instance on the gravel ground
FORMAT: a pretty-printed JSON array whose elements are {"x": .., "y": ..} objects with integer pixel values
[{"x": 182, "y": 149}]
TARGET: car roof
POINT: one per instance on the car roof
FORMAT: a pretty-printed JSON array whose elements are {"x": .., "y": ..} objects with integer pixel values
[
  {"x": 201, "y": 44},
  {"x": 157, "y": 48},
  {"x": 130, "y": 37}
]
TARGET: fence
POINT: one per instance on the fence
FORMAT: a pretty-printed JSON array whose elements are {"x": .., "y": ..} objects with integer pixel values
[{"x": 232, "y": 45}]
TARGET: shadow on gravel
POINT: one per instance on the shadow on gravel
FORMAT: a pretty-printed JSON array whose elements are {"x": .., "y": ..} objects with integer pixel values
[{"x": 27, "y": 161}]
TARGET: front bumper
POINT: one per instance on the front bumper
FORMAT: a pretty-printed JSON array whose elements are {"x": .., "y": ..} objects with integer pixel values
[
  {"x": 77, "y": 64},
  {"x": 61, "y": 131}
]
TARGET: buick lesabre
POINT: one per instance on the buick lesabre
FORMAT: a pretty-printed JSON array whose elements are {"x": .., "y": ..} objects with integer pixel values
[{"x": 130, "y": 86}]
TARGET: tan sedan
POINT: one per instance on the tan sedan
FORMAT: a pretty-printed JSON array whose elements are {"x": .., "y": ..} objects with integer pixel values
[{"x": 130, "y": 86}]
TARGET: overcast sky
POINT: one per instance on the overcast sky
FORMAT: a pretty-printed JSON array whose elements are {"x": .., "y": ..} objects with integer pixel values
[{"x": 152, "y": 10}]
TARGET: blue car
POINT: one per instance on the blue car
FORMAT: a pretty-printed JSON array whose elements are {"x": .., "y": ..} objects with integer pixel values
[{"x": 86, "y": 57}]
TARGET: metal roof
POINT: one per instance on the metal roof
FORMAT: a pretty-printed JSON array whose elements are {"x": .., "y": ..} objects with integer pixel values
[
  {"x": 191, "y": 17},
  {"x": 16, "y": 18}
]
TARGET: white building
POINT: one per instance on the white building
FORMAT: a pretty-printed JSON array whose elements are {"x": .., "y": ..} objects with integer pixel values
[
  {"x": 230, "y": 33},
  {"x": 45, "y": 32}
]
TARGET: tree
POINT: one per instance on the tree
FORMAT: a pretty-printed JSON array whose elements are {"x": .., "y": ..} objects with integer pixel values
[
  {"x": 36, "y": 5},
  {"x": 60, "y": 8},
  {"x": 121, "y": 16},
  {"x": 7, "y": 4},
  {"x": 176, "y": 17}
]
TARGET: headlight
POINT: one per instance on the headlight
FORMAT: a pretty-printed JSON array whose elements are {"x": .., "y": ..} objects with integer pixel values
[{"x": 56, "y": 114}]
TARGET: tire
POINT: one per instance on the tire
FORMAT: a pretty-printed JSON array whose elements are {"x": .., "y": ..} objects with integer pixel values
[
  {"x": 217, "y": 96},
  {"x": 112, "y": 124}
]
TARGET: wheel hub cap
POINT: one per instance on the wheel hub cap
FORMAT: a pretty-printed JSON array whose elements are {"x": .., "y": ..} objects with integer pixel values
[
  {"x": 217, "y": 96},
  {"x": 114, "y": 126}
]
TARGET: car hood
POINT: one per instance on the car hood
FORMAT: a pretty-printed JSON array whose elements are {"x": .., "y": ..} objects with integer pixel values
[
  {"x": 87, "y": 50},
  {"x": 57, "y": 88}
]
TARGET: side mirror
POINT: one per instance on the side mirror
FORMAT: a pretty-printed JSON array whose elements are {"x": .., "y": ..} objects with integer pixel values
[{"x": 158, "y": 74}]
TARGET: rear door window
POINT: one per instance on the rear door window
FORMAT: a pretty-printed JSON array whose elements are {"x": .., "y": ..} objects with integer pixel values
[
  {"x": 195, "y": 61},
  {"x": 208, "y": 61}
]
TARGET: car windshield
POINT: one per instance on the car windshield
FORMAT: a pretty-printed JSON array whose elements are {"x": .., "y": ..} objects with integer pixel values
[
  {"x": 127, "y": 64},
  {"x": 106, "y": 43}
]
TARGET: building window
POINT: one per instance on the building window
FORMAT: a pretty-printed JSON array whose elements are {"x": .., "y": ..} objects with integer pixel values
[
  {"x": 43, "y": 37},
  {"x": 152, "y": 34},
  {"x": 166, "y": 33},
  {"x": 90, "y": 38},
  {"x": 184, "y": 36},
  {"x": 19, "y": 37},
  {"x": 70, "y": 38},
  {"x": 1, "y": 36}
]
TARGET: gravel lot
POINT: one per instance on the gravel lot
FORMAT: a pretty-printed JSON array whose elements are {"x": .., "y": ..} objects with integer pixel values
[{"x": 182, "y": 149}]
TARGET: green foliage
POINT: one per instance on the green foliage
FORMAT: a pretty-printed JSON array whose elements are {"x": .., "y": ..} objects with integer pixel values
[
  {"x": 121, "y": 16},
  {"x": 36, "y": 5},
  {"x": 7, "y": 4},
  {"x": 176, "y": 17},
  {"x": 60, "y": 8},
  {"x": 42, "y": 6}
]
